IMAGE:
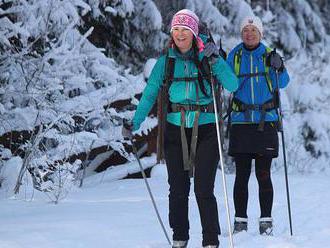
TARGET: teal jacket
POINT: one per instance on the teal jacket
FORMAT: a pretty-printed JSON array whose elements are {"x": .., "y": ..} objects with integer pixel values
[{"x": 183, "y": 92}]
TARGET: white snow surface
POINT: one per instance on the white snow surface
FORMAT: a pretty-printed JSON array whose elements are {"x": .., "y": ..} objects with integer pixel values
[{"x": 107, "y": 212}]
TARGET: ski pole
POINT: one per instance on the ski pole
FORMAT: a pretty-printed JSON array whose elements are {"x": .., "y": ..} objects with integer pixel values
[
  {"x": 284, "y": 153},
  {"x": 135, "y": 152},
  {"x": 221, "y": 160}
]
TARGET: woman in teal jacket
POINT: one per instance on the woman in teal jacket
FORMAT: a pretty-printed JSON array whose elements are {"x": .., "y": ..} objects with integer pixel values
[
  {"x": 190, "y": 112},
  {"x": 253, "y": 132}
]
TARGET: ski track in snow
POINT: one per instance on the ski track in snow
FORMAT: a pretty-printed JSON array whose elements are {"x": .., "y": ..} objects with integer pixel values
[{"x": 120, "y": 214}]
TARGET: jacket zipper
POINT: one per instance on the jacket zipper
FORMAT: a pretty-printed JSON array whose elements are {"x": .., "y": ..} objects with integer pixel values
[
  {"x": 186, "y": 72},
  {"x": 252, "y": 88}
]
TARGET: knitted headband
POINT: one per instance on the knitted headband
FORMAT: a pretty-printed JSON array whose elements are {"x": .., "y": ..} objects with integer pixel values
[{"x": 187, "y": 19}]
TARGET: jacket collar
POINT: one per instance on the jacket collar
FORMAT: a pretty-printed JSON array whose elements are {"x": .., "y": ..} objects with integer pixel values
[
  {"x": 259, "y": 51},
  {"x": 174, "y": 53}
]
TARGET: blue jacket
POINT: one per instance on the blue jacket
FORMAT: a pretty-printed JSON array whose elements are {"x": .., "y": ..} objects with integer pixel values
[
  {"x": 183, "y": 92},
  {"x": 254, "y": 90}
]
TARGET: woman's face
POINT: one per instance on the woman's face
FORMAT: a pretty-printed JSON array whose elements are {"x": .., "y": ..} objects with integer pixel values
[
  {"x": 251, "y": 36},
  {"x": 183, "y": 38}
]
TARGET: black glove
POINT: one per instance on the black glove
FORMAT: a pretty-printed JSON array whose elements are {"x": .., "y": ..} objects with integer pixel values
[
  {"x": 275, "y": 61},
  {"x": 210, "y": 50},
  {"x": 127, "y": 129}
]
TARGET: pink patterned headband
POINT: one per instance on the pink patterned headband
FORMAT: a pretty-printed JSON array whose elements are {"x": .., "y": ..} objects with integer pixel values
[{"x": 185, "y": 20}]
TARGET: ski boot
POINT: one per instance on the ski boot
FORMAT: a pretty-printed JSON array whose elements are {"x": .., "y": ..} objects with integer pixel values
[
  {"x": 240, "y": 224},
  {"x": 180, "y": 244},
  {"x": 266, "y": 226}
]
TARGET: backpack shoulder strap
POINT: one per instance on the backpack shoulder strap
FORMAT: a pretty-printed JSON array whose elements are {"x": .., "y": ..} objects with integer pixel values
[
  {"x": 203, "y": 67},
  {"x": 268, "y": 79},
  {"x": 169, "y": 71},
  {"x": 237, "y": 61},
  {"x": 163, "y": 104}
]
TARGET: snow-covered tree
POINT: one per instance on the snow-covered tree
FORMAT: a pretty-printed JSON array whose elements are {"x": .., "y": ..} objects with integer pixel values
[
  {"x": 64, "y": 63},
  {"x": 56, "y": 84},
  {"x": 129, "y": 30}
]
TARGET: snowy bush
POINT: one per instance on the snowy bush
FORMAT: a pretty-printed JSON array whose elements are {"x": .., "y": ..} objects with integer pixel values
[{"x": 53, "y": 83}]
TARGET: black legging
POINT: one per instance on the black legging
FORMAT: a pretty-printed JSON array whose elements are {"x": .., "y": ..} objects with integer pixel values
[
  {"x": 243, "y": 170},
  {"x": 207, "y": 157}
]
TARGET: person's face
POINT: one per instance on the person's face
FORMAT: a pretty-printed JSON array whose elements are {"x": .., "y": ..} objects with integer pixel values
[
  {"x": 251, "y": 36},
  {"x": 183, "y": 38}
]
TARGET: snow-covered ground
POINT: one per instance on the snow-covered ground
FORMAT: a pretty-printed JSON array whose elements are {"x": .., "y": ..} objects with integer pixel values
[{"x": 119, "y": 213}]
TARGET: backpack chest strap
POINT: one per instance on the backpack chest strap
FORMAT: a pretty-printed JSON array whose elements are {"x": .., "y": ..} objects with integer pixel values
[
  {"x": 186, "y": 79},
  {"x": 249, "y": 75}
]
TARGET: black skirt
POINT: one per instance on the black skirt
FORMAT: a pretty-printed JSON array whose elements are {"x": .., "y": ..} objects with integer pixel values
[{"x": 245, "y": 138}]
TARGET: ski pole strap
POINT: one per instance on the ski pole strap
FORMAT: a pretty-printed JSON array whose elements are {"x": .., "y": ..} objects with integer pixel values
[
  {"x": 239, "y": 106},
  {"x": 176, "y": 107}
]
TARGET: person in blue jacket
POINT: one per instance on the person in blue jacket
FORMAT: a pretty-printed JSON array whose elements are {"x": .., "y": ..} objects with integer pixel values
[
  {"x": 253, "y": 130},
  {"x": 190, "y": 135}
]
